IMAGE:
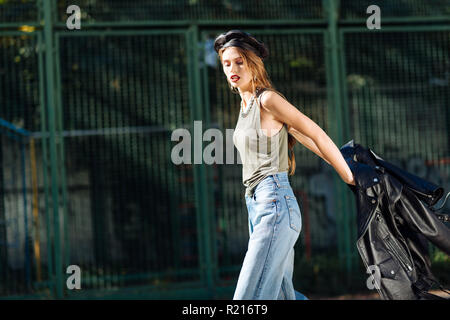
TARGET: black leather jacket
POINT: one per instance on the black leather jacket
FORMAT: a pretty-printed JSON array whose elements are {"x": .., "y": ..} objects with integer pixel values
[{"x": 394, "y": 221}]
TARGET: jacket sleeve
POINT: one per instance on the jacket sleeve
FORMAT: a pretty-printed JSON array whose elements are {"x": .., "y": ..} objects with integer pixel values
[{"x": 422, "y": 220}]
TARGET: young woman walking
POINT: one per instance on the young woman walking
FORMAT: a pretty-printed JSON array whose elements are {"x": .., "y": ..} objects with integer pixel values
[{"x": 267, "y": 128}]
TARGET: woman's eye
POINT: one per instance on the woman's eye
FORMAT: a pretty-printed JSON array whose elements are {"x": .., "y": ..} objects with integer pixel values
[{"x": 238, "y": 62}]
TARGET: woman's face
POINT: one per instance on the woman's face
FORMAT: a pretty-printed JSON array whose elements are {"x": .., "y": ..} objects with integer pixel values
[{"x": 237, "y": 73}]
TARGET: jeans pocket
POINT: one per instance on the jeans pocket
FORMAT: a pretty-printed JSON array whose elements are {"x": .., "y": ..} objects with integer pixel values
[
  {"x": 295, "y": 219},
  {"x": 265, "y": 195}
]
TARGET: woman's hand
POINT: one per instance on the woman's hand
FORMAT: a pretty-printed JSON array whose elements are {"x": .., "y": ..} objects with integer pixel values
[{"x": 351, "y": 181}]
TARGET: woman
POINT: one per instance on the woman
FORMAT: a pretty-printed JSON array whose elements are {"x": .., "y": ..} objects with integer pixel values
[{"x": 267, "y": 127}]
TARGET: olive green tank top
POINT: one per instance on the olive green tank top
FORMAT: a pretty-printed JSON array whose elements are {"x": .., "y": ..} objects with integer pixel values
[{"x": 260, "y": 154}]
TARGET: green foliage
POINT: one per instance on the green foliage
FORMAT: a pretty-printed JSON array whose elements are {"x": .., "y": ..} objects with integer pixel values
[{"x": 440, "y": 266}]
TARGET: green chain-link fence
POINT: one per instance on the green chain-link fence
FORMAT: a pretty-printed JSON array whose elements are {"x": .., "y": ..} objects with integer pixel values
[{"x": 96, "y": 186}]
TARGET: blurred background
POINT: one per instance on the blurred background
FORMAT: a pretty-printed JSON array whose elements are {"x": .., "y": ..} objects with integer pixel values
[{"x": 86, "y": 118}]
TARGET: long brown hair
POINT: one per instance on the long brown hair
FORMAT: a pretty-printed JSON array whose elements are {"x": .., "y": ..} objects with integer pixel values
[{"x": 261, "y": 81}]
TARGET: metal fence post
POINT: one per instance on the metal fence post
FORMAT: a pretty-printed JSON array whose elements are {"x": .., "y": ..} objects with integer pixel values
[
  {"x": 53, "y": 149},
  {"x": 338, "y": 128},
  {"x": 45, "y": 165},
  {"x": 200, "y": 174}
]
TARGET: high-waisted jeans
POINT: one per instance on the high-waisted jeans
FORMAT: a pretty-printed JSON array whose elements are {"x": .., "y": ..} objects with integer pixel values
[{"x": 274, "y": 221}]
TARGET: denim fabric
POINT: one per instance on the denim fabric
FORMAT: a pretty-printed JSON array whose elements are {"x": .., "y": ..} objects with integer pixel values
[{"x": 274, "y": 222}]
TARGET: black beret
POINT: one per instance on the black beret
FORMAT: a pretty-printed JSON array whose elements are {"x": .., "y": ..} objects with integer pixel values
[{"x": 238, "y": 38}]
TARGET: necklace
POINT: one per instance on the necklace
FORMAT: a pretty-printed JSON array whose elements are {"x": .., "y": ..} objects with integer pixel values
[{"x": 250, "y": 105}]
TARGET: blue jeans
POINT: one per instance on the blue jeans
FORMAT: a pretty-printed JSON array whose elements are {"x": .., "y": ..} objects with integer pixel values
[{"x": 274, "y": 222}]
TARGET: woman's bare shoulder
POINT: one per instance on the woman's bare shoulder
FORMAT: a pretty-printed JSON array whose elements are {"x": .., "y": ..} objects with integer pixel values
[{"x": 268, "y": 97}]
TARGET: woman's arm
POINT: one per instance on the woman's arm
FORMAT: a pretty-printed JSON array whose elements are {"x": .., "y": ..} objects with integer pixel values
[
  {"x": 287, "y": 113},
  {"x": 307, "y": 142}
]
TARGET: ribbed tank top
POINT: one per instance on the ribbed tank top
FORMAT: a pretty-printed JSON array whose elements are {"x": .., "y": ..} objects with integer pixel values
[{"x": 260, "y": 154}]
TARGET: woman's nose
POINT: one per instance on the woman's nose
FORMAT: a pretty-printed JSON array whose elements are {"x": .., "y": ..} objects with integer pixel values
[{"x": 233, "y": 67}]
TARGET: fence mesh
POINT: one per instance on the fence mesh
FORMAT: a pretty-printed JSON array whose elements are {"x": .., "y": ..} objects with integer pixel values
[
  {"x": 398, "y": 99},
  {"x": 100, "y": 11},
  {"x": 398, "y": 92},
  {"x": 130, "y": 209},
  {"x": 128, "y": 215},
  {"x": 23, "y": 218},
  {"x": 395, "y": 9},
  {"x": 14, "y": 11},
  {"x": 19, "y": 90}
]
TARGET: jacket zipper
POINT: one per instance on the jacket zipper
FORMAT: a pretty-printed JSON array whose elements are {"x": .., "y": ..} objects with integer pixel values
[
  {"x": 393, "y": 247},
  {"x": 419, "y": 192},
  {"x": 399, "y": 255},
  {"x": 405, "y": 262}
]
